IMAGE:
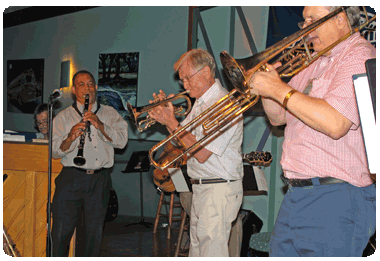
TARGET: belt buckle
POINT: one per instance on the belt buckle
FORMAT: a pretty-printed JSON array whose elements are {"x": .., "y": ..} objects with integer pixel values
[
  {"x": 90, "y": 171},
  {"x": 296, "y": 183},
  {"x": 192, "y": 181}
]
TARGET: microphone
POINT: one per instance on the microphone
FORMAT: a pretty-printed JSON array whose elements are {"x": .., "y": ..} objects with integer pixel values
[{"x": 56, "y": 95}]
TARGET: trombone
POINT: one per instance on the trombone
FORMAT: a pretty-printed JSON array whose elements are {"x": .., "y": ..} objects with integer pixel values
[
  {"x": 239, "y": 71},
  {"x": 143, "y": 124}
]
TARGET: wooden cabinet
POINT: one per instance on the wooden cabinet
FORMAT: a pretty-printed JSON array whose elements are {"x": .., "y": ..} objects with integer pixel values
[{"x": 25, "y": 192}]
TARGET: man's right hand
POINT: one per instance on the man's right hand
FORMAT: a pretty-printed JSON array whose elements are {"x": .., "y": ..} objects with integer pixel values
[
  {"x": 163, "y": 114},
  {"x": 77, "y": 130}
]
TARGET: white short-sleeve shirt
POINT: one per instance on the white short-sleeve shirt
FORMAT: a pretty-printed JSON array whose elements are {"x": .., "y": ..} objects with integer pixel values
[{"x": 225, "y": 145}]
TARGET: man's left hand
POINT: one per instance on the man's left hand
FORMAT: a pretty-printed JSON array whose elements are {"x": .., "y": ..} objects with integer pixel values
[
  {"x": 265, "y": 83},
  {"x": 94, "y": 120}
]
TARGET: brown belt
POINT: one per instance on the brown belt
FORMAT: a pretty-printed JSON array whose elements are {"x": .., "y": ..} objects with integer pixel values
[{"x": 209, "y": 181}]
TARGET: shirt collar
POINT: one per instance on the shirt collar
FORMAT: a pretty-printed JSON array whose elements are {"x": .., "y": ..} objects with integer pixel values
[
  {"x": 209, "y": 96},
  {"x": 93, "y": 108},
  {"x": 341, "y": 46}
]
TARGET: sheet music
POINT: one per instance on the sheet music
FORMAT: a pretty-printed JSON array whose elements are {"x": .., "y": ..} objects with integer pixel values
[
  {"x": 367, "y": 119},
  {"x": 9, "y": 137},
  {"x": 40, "y": 140},
  {"x": 10, "y": 131},
  {"x": 178, "y": 180},
  {"x": 260, "y": 179}
]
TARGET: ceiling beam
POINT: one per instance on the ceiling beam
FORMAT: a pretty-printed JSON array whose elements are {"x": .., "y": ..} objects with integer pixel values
[
  {"x": 37, "y": 13},
  {"x": 190, "y": 28}
]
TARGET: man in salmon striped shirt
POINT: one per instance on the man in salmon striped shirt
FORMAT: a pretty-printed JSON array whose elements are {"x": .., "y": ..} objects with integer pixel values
[{"x": 329, "y": 209}]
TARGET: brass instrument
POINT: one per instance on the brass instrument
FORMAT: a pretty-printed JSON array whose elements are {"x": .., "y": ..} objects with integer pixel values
[
  {"x": 162, "y": 177},
  {"x": 240, "y": 71},
  {"x": 145, "y": 123},
  {"x": 79, "y": 160}
]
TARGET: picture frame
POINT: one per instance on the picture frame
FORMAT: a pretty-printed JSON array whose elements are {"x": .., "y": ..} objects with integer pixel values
[
  {"x": 25, "y": 81},
  {"x": 118, "y": 80}
]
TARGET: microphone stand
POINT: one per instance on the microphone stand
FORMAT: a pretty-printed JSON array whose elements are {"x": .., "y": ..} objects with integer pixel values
[{"x": 49, "y": 241}]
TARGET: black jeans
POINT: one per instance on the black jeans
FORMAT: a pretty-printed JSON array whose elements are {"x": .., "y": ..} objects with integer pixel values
[{"x": 75, "y": 192}]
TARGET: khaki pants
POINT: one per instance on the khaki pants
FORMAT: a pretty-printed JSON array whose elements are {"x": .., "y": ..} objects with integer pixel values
[{"x": 215, "y": 207}]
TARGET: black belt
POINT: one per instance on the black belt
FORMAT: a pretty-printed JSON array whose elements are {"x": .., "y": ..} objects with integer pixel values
[
  {"x": 309, "y": 182},
  {"x": 89, "y": 171},
  {"x": 209, "y": 181}
]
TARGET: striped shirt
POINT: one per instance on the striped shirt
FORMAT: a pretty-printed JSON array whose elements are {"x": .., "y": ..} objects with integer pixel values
[
  {"x": 99, "y": 153},
  {"x": 226, "y": 159},
  {"x": 308, "y": 153}
]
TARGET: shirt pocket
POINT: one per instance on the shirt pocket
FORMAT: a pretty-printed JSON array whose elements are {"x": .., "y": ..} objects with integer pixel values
[{"x": 320, "y": 88}]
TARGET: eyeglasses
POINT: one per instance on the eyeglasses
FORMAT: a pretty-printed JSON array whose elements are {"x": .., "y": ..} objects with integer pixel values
[
  {"x": 306, "y": 22},
  {"x": 181, "y": 81},
  {"x": 42, "y": 122},
  {"x": 309, "y": 21}
]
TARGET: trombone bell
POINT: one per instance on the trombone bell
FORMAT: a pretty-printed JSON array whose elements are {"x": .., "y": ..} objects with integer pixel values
[
  {"x": 239, "y": 71},
  {"x": 234, "y": 71}
]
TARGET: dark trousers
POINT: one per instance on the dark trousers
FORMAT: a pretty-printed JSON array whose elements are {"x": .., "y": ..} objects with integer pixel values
[{"x": 75, "y": 192}]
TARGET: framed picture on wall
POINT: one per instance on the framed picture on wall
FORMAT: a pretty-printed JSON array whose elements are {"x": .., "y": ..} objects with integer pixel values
[
  {"x": 24, "y": 85},
  {"x": 117, "y": 80}
]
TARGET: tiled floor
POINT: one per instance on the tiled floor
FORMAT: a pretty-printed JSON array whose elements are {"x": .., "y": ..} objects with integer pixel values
[{"x": 123, "y": 238}]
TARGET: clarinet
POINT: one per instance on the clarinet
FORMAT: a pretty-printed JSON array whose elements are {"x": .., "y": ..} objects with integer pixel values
[{"x": 79, "y": 160}]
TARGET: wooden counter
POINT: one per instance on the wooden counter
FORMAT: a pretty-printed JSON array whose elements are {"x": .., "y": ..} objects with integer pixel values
[{"x": 25, "y": 192}]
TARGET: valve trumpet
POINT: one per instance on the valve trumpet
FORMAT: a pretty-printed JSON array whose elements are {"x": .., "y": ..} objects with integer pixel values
[{"x": 144, "y": 123}]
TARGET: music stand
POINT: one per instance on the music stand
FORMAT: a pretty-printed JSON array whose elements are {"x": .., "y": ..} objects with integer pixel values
[
  {"x": 370, "y": 66},
  {"x": 139, "y": 162},
  {"x": 365, "y": 91}
]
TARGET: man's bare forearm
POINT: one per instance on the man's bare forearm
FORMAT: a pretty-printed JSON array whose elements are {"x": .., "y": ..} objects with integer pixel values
[
  {"x": 274, "y": 111},
  {"x": 66, "y": 144},
  {"x": 187, "y": 139}
]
